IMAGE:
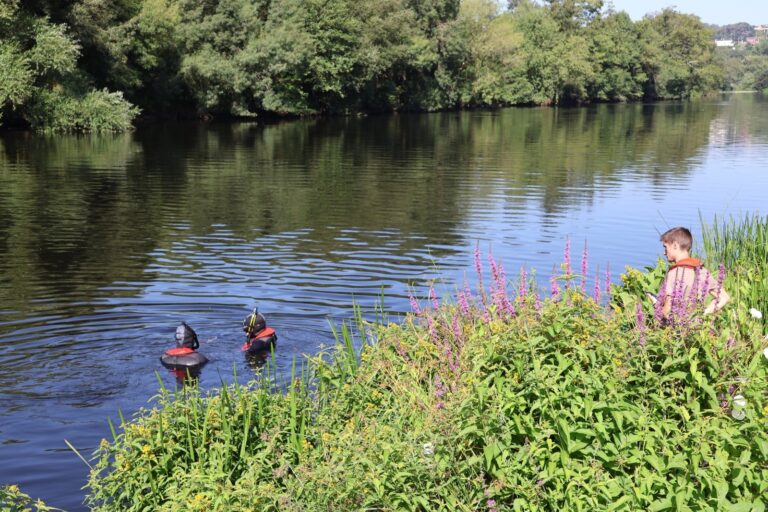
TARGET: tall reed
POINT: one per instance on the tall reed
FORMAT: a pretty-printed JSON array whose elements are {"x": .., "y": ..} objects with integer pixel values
[{"x": 742, "y": 246}]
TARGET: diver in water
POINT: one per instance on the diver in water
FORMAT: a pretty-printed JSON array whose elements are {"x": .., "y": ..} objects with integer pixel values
[
  {"x": 260, "y": 338},
  {"x": 184, "y": 356}
]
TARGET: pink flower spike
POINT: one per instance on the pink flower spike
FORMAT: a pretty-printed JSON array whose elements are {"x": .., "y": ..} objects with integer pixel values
[
  {"x": 463, "y": 303},
  {"x": 596, "y": 293},
  {"x": 478, "y": 266},
  {"x": 720, "y": 279},
  {"x": 523, "y": 284},
  {"x": 414, "y": 304},
  {"x": 433, "y": 298},
  {"x": 555, "y": 288},
  {"x": 584, "y": 268}
]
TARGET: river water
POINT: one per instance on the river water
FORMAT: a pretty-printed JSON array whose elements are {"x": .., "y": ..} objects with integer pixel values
[{"x": 108, "y": 242}]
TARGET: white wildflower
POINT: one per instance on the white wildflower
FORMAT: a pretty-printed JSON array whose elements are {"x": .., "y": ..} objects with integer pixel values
[
  {"x": 739, "y": 403},
  {"x": 429, "y": 449},
  {"x": 755, "y": 313},
  {"x": 765, "y": 352}
]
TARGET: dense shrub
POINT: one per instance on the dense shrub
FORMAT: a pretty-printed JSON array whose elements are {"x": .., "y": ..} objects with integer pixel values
[
  {"x": 13, "y": 499},
  {"x": 97, "y": 111},
  {"x": 40, "y": 85}
]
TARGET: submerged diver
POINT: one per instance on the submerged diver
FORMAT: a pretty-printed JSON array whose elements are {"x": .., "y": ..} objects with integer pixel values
[
  {"x": 260, "y": 337},
  {"x": 184, "y": 356}
]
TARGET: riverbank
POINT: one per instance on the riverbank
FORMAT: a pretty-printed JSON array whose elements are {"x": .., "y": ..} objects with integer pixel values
[{"x": 493, "y": 400}]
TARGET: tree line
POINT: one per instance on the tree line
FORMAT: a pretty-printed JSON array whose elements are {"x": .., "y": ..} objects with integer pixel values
[{"x": 95, "y": 64}]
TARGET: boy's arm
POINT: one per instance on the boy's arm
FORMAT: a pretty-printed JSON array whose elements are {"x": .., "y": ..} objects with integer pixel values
[
  {"x": 721, "y": 299},
  {"x": 666, "y": 309}
]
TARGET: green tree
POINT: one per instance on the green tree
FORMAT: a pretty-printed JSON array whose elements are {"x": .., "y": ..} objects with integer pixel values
[
  {"x": 558, "y": 62},
  {"x": 617, "y": 50},
  {"x": 132, "y": 46},
  {"x": 40, "y": 85},
  {"x": 685, "y": 63},
  {"x": 735, "y": 31},
  {"x": 571, "y": 15}
]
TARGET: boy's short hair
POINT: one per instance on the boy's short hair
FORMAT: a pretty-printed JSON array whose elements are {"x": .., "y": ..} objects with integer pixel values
[{"x": 680, "y": 235}]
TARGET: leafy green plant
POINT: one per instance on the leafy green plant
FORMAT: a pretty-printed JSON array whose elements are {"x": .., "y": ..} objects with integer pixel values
[
  {"x": 498, "y": 402},
  {"x": 12, "y": 499}
]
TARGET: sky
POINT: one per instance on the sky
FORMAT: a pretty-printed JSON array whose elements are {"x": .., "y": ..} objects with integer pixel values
[{"x": 718, "y": 12}]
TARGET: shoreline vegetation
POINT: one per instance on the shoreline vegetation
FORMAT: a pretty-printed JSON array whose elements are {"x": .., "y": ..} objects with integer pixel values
[
  {"x": 500, "y": 398},
  {"x": 98, "y": 66}
]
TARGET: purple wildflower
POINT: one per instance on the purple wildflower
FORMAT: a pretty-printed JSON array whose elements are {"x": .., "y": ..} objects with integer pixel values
[
  {"x": 720, "y": 279},
  {"x": 414, "y": 304},
  {"x": 453, "y": 363},
  {"x": 507, "y": 306},
  {"x": 608, "y": 282},
  {"x": 432, "y": 330},
  {"x": 440, "y": 405},
  {"x": 439, "y": 388},
  {"x": 584, "y": 268},
  {"x": 491, "y": 504},
  {"x": 501, "y": 284},
  {"x": 705, "y": 286},
  {"x": 523, "y": 284},
  {"x": 596, "y": 292},
  {"x": 537, "y": 301},
  {"x": 693, "y": 295},
  {"x": 555, "y": 288},
  {"x": 567, "y": 257},
  {"x": 678, "y": 301},
  {"x": 457, "y": 330},
  {"x": 447, "y": 350},
  {"x": 730, "y": 343},
  {"x": 494, "y": 271},
  {"x": 433, "y": 297},
  {"x": 463, "y": 303},
  {"x": 478, "y": 266}
]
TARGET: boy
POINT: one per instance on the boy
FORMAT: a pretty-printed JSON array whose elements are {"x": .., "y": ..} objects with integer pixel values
[{"x": 687, "y": 281}]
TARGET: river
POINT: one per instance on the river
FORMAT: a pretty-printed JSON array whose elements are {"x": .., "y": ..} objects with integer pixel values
[{"x": 108, "y": 242}]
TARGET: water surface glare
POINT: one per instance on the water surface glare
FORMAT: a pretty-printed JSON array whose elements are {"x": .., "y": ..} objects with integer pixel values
[{"x": 108, "y": 242}]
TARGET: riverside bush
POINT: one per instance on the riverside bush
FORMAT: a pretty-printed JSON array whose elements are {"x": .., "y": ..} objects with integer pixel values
[
  {"x": 96, "y": 111},
  {"x": 13, "y": 499},
  {"x": 497, "y": 402}
]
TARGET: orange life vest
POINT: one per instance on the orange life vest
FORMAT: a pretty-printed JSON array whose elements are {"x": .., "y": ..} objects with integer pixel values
[
  {"x": 264, "y": 333},
  {"x": 179, "y": 351},
  {"x": 693, "y": 263}
]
